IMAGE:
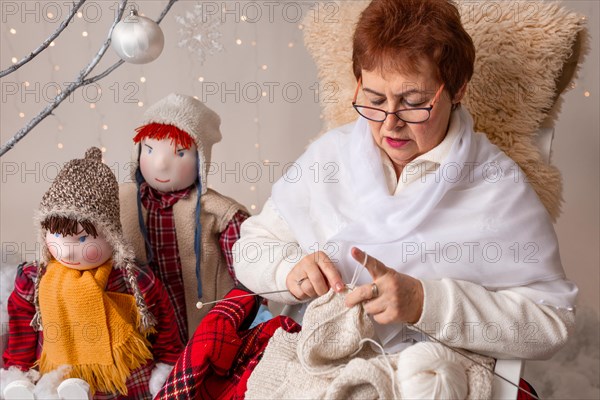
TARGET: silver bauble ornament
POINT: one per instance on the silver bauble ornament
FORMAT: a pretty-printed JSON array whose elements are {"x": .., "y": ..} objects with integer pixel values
[{"x": 137, "y": 39}]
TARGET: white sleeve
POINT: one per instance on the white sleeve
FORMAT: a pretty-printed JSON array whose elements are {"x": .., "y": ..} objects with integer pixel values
[
  {"x": 509, "y": 323},
  {"x": 265, "y": 253}
]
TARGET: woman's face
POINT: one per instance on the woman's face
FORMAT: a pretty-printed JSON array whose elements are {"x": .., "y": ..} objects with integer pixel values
[{"x": 404, "y": 142}]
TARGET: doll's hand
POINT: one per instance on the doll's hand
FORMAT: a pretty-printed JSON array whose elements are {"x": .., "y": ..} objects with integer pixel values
[
  {"x": 158, "y": 377},
  {"x": 17, "y": 384}
]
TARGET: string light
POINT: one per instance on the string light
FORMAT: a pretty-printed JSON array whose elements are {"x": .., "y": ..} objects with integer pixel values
[
  {"x": 50, "y": 15},
  {"x": 253, "y": 207},
  {"x": 56, "y": 67},
  {"x": 252, "y": 188},
  {"x": 143, "y": 79},
  {"x": 84, "y": 34},
  {"x": 300, "y": 26},
  {"x": 105, "y": 127},
  {"x": 201, "y": 79},
  {"x": 93, "y": 105},
  {"x": 103, "y": 149},
  {"x": 79, "y": 14},
  {"x": 14, "y": 60},
  {"x": 140, "y": 104},
  {"x": 13, "y": 31},
  {"x": 238, "y": 41},
  {"x": 244, "y": 18},
  {"x": 586, "y": 93},
  {"x": 60, "y": 145},
  {"x": 291, "y": 44},
  {"x": 256, "y": 145},
  {"x": 52, "y": 44},
  {"x": 22, "y": 114},
  {"x": 264, "y": 67},
  {"x": 26, "y": 83}
]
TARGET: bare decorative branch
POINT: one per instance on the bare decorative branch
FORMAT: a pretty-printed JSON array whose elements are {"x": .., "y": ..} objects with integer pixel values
[
  {"x": 80, "y": 81},
  {"x": 46, "y": 42}
]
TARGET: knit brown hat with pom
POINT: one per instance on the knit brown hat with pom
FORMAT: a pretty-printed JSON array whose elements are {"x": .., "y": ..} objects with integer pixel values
[{"x": 86, "y": 190}]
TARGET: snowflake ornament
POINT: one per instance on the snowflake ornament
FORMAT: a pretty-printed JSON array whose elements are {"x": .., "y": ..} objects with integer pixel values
[{"x": 200, "y": 32}]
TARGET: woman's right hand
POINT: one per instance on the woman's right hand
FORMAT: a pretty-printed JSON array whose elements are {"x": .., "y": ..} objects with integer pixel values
[{"x": 313, "y": 276}]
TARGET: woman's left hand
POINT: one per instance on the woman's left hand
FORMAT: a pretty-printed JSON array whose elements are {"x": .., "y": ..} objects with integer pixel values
[{"x": 399, "y": 297}]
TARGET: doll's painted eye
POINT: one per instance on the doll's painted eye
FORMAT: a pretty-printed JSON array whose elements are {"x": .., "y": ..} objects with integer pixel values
[
  {"x": 181, "y": 153},
  {"x": 148, "y": 149},
  {"x": 56, "y": 234},
  {"x": 82, "y": 239}
]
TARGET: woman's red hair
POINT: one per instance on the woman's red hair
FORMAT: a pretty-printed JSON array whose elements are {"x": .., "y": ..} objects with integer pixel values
[
  {"x": 161, "y": 131},
  {"x": 397, "y": 35}
]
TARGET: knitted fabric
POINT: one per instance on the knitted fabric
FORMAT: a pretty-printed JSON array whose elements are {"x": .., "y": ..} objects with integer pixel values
[
  {"x": 194, "y": 118},
  {"x": 89, "y": 329},
  {"x": 328, "y": 359},
  {"x": 87, "y": 190}
]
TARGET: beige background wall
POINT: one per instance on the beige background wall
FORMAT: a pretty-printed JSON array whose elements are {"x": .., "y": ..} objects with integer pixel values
[{"x": 271, "y": 59}]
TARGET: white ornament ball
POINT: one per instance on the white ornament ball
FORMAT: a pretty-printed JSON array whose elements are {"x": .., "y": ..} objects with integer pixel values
[{"x": 137, "y": 39}]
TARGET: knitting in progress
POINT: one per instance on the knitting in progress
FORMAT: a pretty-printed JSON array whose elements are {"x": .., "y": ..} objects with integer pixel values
[{"x": 328, "y": 359}]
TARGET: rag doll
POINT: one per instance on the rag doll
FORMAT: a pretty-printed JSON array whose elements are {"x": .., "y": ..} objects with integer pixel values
[
  {"x": 177, "y": 225},
  {"x": 86, "y": 318}
]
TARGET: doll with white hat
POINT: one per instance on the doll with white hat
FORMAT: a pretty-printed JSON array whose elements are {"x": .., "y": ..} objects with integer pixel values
[
  {"x": 177, "y": 225},
  {"x": 93, "y": 323}
]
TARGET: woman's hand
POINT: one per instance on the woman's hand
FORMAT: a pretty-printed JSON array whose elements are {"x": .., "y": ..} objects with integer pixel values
[
  {"x": 398, "y": 297},
  {"x": 313, "y": 276}
]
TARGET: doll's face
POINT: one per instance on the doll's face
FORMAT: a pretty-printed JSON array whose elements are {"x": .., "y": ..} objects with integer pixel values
[
  {"x": 81, "y": 251},
  {"x": 166, "y": 168}
]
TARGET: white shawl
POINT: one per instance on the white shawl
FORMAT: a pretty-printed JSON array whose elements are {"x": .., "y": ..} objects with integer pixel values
[{"x": 474, "y": 219}]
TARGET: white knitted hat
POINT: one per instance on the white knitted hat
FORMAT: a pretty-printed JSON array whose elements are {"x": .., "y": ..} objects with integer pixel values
[{"x": 191, "y": 116}]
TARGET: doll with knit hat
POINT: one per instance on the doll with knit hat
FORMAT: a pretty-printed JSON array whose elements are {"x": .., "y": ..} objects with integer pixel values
[
  {"x": 177, "y": 225},
  {"x": 87, "y": 315}
]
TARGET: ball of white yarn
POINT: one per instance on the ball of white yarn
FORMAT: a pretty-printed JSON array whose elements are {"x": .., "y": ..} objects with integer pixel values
[{"x": 431, "y": 371}]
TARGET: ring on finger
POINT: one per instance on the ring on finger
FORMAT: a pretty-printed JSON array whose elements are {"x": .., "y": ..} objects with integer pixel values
[
  {"x": 300, "y": 281},
  {"x": 374, "y": 290}
]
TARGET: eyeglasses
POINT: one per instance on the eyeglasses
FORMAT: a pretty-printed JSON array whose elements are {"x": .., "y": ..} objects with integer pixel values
[{"x": 408, "y": 115}]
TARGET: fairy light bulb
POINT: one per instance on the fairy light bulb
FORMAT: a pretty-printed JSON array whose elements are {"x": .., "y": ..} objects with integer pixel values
[
  {"x": 60, "y": 145},
  {"x": 52, "y": 44},
  {"x": 586, "y": 93},
  {"x": 13, "y": 31},
  {"x": 143, "y": 79},
  {"x": 253, "y": 207},
  {"x": 238, "y": 42},
  {"x": 84, "y": 34},
  {"x": 140, "y": 104},
  {"x": 14, "y": 60},
  {"x": 105, "y": 127},
  {"x": 92, "y": 106},
  {"x": 264, "y": 67},
  {"x": 22, "y": 114},
  {"x": 201, "y": 79}
]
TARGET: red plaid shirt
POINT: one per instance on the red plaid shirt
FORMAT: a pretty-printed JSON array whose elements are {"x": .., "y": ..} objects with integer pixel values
[
  {"x": 25, "y": 345},
  {"x": 162, "y": 235}
]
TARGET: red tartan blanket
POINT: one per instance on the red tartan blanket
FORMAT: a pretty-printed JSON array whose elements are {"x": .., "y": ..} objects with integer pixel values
[{"x": 220, "y": 357}]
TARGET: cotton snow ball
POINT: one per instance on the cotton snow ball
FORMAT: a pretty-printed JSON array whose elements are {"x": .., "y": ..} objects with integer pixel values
[{"x": 431, "y": 371}]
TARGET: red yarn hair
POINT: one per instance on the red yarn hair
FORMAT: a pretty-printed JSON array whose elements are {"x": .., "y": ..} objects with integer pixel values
[
  {"x": 397, "y": 35},
  {"x": 180, "y": 138}
]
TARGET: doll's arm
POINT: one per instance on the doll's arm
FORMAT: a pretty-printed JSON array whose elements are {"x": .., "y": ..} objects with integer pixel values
[
  {"x": 228, "y": 237},
  {"x": 22, "y": 339},
  {"x": 166, "y": 344}
]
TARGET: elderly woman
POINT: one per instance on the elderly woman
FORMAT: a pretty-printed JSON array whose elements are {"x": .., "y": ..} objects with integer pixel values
[{"x": 452, "y": 236}]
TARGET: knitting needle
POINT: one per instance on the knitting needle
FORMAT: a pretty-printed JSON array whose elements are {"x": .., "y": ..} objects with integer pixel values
[
  {"x": 474, "y": 361},
  {"x": 200, "y": 304}
]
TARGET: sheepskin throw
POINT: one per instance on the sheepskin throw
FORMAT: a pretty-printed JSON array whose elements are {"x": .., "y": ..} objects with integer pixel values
[
  {"x": 527, "y": 53},
  {"x": 331, "y": 358}
]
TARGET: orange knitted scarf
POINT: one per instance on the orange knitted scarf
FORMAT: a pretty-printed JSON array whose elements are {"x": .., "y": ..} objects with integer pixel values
[{"x": 93, "y": 331}]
